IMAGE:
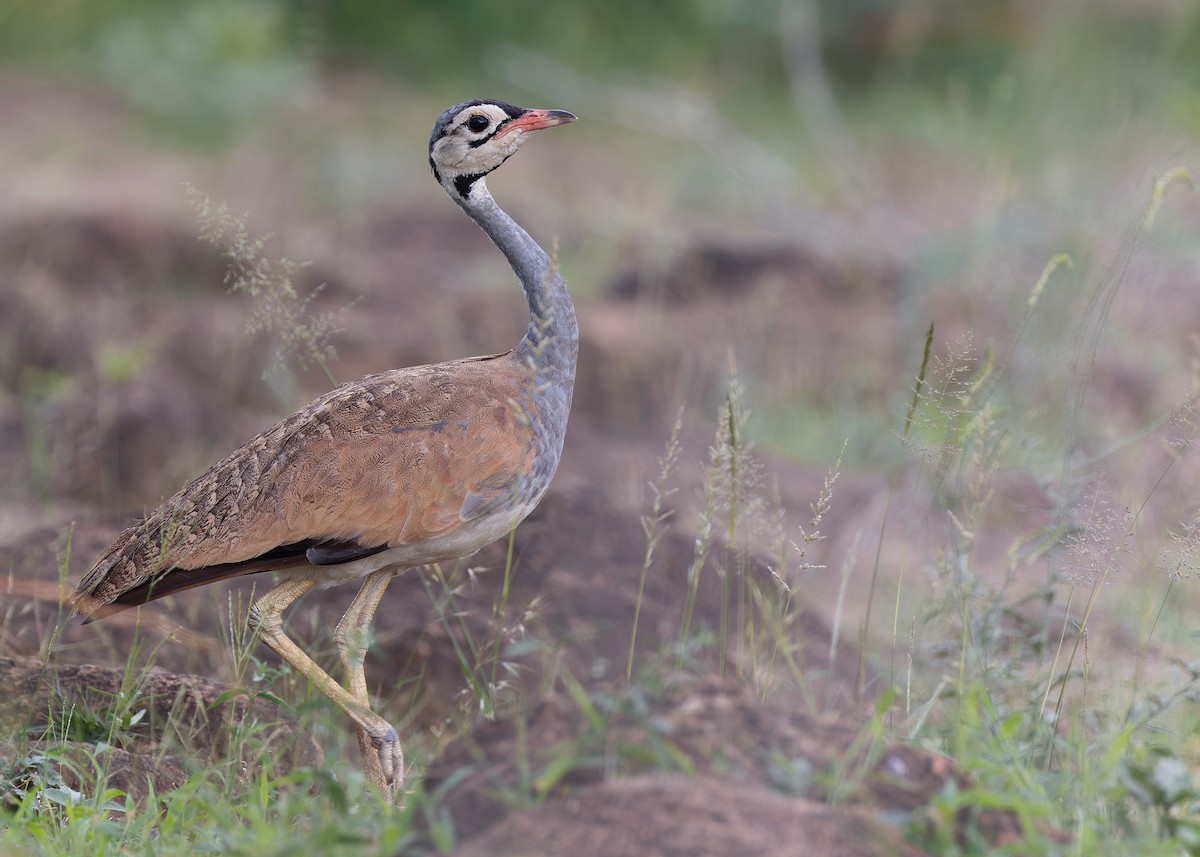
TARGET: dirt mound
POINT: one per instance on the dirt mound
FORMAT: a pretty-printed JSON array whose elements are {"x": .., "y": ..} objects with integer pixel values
[
  {"x": 673, "y": 816},
  {"x": 834, "y": 773},
  {"x": 145, "y": 721}
]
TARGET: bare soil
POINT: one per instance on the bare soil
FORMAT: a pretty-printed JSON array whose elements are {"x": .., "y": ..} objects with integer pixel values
[{"x": 169, "y": 714}]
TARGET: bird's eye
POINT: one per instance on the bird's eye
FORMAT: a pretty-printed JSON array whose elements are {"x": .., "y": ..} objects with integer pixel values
[{"x": 478, "y": 122}]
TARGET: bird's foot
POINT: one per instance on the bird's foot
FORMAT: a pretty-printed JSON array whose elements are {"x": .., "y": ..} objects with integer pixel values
[{"x": 391, "y": 759}]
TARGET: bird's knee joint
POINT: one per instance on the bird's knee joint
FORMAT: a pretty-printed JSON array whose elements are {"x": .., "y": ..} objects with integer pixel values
[{"x": 262, "y": 620}]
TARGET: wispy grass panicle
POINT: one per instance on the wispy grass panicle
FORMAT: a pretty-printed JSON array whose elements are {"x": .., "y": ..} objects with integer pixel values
[
  {"x": 1097, "y": 543},
  {"x": 777, "y": 611},
  {"x": 1181, "y": 558},
  {"x": 1184, "y": 425},
  {"x": 733, "y": 475},
  {"x": 727, "y": 474},
  {"x": 810, "y": 533},
  {"x": 654, "y": 526},
  {"x": 919, "y": 391},
  {"x": 946, "y": 403},
  {"x": 279, "y": 310},
  {"x": 736, "y": 514}
]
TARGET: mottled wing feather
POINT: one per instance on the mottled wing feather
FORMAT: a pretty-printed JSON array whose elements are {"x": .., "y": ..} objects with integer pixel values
[{"x": 394, "y": 458}]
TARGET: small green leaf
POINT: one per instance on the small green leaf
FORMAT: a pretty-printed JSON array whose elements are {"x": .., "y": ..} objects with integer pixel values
[
  {"x": 62, "y": 795},
  {"x": 232, "y": 693},
  {"x": 270, "y": 697}
]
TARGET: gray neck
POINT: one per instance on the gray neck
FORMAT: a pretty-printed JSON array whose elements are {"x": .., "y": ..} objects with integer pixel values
[{"x": 551, "y": 343}]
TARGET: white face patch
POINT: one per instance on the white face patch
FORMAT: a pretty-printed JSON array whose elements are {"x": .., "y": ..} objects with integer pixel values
[{"x": 470, "y": 146}]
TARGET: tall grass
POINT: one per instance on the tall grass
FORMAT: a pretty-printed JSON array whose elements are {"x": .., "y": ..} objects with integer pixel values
[{"x": 992, "y": 712}]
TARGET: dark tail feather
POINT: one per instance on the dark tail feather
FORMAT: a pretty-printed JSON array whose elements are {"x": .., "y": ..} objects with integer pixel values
[
  {"x": 183, "y": 579},
  {"x": 308, "y": 552}
]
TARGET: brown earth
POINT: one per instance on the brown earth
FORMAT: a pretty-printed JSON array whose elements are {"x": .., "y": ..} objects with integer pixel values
[
  {"x": 167, "y": 714},
  {"x": 676, "y": 816}
]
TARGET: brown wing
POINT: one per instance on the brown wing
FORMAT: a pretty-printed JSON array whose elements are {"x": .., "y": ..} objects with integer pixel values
[{"x": 395, "y": 458}]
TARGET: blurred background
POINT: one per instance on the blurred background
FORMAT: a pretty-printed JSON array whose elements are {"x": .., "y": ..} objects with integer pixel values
[{"x": 785, "y": 193}]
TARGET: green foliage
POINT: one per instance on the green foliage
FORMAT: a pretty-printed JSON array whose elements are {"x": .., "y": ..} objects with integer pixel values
[
  {"x": 1164, "y": 783},
  {"x": 198, "y": 69},
  {"x": 201, "y": 67},
  {"x": 33, "y": 783},
  {"x": 206, "y": 63}
]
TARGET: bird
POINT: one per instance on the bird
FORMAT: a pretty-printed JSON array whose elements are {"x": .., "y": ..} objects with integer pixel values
[{"x": 394, "y": 471}]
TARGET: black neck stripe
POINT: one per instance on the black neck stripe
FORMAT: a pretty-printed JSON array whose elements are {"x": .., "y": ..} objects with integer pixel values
[{"x": 464, "y": 183}]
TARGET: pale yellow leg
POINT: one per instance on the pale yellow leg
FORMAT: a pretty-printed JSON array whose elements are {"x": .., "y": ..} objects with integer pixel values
[
  {"x": 351, "y": 638},
  {"x": 266, "y": 621}
]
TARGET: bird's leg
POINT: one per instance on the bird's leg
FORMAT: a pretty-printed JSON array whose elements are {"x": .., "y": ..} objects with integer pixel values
[
  {"x": 351, "y": 638},
  {"x": 351, "y": 632},
  {"x": 265, "y": 620}
]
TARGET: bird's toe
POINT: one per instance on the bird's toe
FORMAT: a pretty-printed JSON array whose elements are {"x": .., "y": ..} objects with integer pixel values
[{"x": 391, "y": 756}]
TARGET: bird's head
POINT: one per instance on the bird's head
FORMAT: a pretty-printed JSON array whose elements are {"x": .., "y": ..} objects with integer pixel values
[{"x": 471, "y": 139}]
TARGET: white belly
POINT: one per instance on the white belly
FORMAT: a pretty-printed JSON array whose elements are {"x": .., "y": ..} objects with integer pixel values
[{"x": 463, "y": 542}]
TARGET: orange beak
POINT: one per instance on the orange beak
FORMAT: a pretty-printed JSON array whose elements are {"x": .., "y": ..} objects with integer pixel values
[{"x": 535, "y": 120}]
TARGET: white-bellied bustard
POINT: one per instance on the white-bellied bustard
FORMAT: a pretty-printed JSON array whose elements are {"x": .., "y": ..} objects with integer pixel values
[{"x": 395, "y": 470}]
